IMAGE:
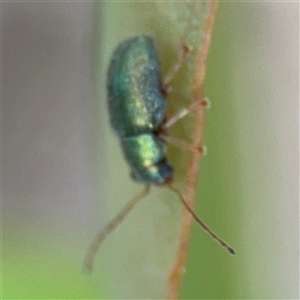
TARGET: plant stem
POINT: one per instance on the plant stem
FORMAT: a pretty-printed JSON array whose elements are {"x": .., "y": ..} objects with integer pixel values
[{"x": 174, "y": 278}]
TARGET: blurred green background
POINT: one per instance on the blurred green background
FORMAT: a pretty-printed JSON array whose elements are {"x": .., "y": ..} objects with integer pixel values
[{"x": 64, "y": 176}]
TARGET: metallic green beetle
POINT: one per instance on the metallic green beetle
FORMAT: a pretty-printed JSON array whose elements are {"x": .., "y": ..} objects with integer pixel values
[{"x": 137, "y": 108}]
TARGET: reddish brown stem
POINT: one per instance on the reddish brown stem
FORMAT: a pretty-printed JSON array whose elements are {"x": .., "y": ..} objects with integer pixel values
[{"x": 174, "y": 278}]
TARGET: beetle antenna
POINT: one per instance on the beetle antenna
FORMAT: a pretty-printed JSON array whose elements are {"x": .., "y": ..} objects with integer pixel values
[
  {"x": 196, "y": 218},
  {"x": 107, "y": 230}
]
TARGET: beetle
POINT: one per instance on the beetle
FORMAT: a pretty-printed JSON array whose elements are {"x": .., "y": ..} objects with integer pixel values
[
  {"x": 137, "y": 108},
  {"x": 137, "y": 104}
]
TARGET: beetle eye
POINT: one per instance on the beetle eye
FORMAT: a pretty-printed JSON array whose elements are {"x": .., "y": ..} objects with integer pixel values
[{"x": 165, "y": 170}]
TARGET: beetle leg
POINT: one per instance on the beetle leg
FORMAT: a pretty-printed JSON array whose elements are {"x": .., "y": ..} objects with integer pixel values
[
  {"x": 183, "y": 50},
  {"x": 182, "y": 144},
  {"x": 184, "y": 112}
]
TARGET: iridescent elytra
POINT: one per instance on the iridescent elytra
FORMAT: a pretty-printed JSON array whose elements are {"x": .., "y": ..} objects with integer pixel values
[{"x": 137, "y": 106}]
